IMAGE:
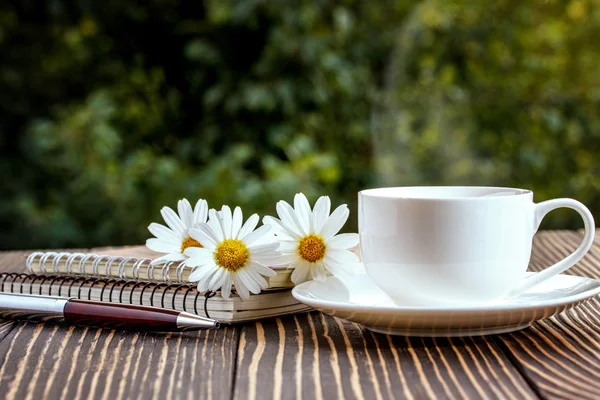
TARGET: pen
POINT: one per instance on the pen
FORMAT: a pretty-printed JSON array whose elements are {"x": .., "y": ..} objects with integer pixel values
[{"x": 100, "y": 314}]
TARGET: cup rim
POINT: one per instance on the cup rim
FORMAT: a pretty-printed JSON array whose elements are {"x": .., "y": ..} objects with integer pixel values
[{"x": 377, "y": 193}]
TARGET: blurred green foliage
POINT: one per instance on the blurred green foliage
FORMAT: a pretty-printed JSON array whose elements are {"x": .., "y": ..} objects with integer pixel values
[{"x": 110, "y": 110}]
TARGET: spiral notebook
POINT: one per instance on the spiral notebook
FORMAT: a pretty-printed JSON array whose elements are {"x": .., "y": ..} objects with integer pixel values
[
  {"x": 128, "y": 263},
  {"x": 126, "y": 275},
  {"x": 180, "y": 297}
]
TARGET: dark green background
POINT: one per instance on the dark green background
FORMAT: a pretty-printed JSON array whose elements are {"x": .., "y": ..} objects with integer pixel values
[{"x": 110, "y": 110}]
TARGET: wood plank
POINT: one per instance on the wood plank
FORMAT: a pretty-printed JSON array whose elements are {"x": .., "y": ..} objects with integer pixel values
[
  {"x": 311, "y": 355},
  {"x": 51, "y": 361},
  {"x": 560, "y": 356},
  {"x": 14, "y": 261},
  {"x": 317, "y": 356},
  {"x": 10, "y": 261}
]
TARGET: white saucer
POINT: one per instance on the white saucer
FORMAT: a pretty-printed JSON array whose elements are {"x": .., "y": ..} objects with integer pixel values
[{"x": 359, "y": 300}]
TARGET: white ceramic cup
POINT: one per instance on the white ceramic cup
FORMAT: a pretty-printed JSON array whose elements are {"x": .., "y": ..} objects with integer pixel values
[{"x": 438, "y": 245}]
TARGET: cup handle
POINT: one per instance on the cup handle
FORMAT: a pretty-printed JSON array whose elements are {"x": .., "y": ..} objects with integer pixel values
[{"x": 543, "y": 208}]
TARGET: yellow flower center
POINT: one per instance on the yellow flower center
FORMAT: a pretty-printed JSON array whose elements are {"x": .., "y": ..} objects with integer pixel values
[
  {"x": 312, "y": 248},
  {"x": 231, "y": 254},
  {"x": 189, "y": 242}
]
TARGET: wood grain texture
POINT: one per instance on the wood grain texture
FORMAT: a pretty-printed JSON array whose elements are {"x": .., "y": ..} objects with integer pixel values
[
  {"x": 10, "y": 261},
  {"x": 311, "y": 356},
  {"x": 316, "y": 356},
  {"x": 50, "y": 361},
  {"x": 560, "y": 356}
]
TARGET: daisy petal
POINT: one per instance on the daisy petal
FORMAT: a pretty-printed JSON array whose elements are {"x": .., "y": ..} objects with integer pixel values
[
  {"x": 214, "y": 221},
  {"x": 288, "y": 246},
  {"x": 164, "y": 233},
  {"x": 300, "y": 273},
  {"x": 295, "y": 264},
  {"x": 227, "y": 220},
  {"x": 260, "y": 280},
  {"x": 318, "y": 272},
  {"x": 160, "y": 246},
  {"x": 200, "y": 212},
  {"x": 289, "y": 218},
  {"x": 257, "y": 234},
  {"x": 203, "y": 234},
  {"x": 336, "y": 220},
  {"x": 205, "y": 280},
  {"x": 247, "y": 280},
  {"x": 261, "y": 269},
  {"x": 343, "y": 241},
  {"x": 279, "y": 228},
  {"x": 303, "y": 211},
  {"x": 200, "y": 272},
  {"x": 275, "y": 223},
  {"x": 320, "y": 213},
  {"x": 217, "y": 280},
  {"x": 248, "y": 227},
  {"x": 236, "y": 223},
  {"x": 173, "y": 221},
  {"x": 343, "y": 271},
  {"x": 241, "y": 290},
  {"x": 341, "y": 256},
  {"x": 168, "y": 258},
  {"x": 268, "y": 248},
  {"x": 268, "y": 238},
  {"x": 285, "y": 236},
  {"x": 226, "y": 287},
  {"x": 198, "y": 253},
  {"x": 184, "y": 208},
  {"x": 274, "y": 260},
  {"x": 198, "y": 263}
]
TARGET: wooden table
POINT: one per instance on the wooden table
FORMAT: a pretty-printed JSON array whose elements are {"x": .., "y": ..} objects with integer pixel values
[{"x": 311, "y": 356}]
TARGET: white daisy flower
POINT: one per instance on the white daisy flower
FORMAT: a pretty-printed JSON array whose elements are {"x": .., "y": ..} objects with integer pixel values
[
  {"x": 176, "y": 238},
  {"x": 232, "y": 254},
  {"x": 308, "y": 241}
]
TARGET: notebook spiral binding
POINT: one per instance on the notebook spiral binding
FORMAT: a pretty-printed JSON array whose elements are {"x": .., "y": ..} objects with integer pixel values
[
  {"x": 75, "y": 264},
  {"x": 73, "y": 286}
]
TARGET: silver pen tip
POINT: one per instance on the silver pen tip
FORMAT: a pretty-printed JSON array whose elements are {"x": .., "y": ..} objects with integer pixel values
[{"x": 187, "y": 321}]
